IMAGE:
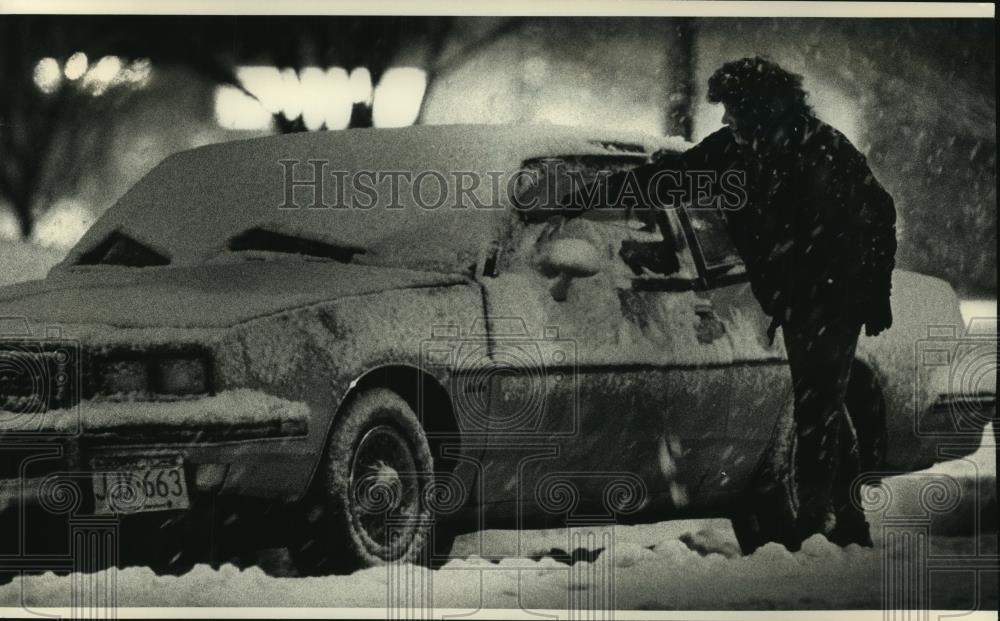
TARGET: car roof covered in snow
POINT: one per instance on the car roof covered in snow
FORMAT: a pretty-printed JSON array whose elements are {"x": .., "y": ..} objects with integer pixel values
[{"x": 189, "y": 207}]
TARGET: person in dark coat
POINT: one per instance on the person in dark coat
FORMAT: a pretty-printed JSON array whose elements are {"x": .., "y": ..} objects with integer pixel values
[{"x": 817, "y": 235}]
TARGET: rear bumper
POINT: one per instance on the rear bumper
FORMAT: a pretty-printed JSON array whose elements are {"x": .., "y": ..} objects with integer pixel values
[
  {"x": 952, "y": 427},
  {"x": 958, "y": 417}
]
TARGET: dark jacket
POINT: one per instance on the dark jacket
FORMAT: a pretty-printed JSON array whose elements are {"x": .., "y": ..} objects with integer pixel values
[{"x": 818, "y": 231}]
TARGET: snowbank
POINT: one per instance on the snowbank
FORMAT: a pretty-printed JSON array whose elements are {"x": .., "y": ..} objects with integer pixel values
[
  {"x": 650, "y": 567},
  {"x": 679, "y": 565}
]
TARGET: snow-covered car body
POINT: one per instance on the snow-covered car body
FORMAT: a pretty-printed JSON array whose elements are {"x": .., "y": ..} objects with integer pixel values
[{"x": 227, "y": 307}]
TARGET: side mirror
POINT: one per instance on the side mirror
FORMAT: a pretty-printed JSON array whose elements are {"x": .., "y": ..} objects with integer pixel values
[{"x": 568, "y": 259}]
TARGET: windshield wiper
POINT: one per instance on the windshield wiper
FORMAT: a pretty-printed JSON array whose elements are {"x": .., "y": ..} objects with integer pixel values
[
  {"x": 262, "y": 240},
  {"x": 120, "y": 249}
]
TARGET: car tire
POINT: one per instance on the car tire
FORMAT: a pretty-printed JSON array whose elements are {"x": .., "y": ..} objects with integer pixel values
[{"x": 369, "y": 504}]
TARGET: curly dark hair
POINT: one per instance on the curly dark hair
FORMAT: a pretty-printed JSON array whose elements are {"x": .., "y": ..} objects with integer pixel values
[{"x": 758, "y": 88}]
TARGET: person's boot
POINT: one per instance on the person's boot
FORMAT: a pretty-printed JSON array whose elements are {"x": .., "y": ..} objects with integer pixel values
[
  {"x": 851, "y": 527},
  {"x": 816, "y": 518}
]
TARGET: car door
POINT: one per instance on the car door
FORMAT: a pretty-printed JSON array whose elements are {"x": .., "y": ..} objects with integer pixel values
[
  {"x": 625, "y": 388},
  {"x": 554, "y": 397},
  {"x": 758, "y": 378},
  {"x": 679, "y": 353}
]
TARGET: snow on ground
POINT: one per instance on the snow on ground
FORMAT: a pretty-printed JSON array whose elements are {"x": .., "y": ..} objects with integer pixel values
[{"x": 678, "y": 565}]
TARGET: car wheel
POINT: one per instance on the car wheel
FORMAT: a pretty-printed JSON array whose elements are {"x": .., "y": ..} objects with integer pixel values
[{"x": 370, "y": 502}]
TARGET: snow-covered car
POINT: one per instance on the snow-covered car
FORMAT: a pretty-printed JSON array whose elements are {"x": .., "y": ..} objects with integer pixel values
[{"x": 263, "y": 321}]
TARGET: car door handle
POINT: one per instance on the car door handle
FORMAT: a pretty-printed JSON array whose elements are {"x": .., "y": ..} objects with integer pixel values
[{"x": 709, "y": 328}]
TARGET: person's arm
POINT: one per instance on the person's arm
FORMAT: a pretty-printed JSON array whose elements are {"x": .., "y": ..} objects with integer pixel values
[
  {"x": 714, "y": 154},
  {"x": 879, "y": 219},
  {"x": 853, "y": 201}
]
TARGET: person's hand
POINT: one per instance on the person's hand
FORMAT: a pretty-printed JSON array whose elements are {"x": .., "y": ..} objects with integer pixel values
[
  {"x": 879, "y": 319},
  {"x": 660, "y": 154},
  {"x": 772, "y": 330},
  {"x": 668, "y": 159}
]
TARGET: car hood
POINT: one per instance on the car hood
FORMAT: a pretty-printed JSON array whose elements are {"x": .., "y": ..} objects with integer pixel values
[{"x": 200, "y": 296}]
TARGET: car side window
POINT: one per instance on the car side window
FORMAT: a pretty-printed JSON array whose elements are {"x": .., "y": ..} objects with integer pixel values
[
  {"x": 642, "y": 244},
  {"x": 711, "y": 242},
  {"x": 634, "y": 251},
  {"x": 652, "y": 247},
  {"x": 521, "y": 250}
]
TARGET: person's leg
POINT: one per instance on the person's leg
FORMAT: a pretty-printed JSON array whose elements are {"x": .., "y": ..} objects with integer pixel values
[
  {"x": 820, "y": 356},
  {"x": 852, "y": 525}
]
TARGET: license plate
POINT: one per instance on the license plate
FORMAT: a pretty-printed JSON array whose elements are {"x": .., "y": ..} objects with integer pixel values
[{"x": 140, "y": 485}]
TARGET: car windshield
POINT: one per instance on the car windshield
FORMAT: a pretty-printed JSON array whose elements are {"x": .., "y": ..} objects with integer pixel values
[
  {"x": 264, "y": 241},
  {"x": 120, "y": 249},
  {"x": 207, "y": 203},
  {"x": 545, "y": 183}
]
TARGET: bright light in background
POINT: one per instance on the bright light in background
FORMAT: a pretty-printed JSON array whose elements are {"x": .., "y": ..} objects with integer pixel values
[
  {"x": 75, "y": 66},
  {"x": 323, "y": 98},
  {"x": 48, "y": 76},
  {"x": 234, "y": 109},
  {"x": 8, "y": 225},
  {"x": 398, "y": 96},
  {"x": 100, "y": 76},
  {"x": 361, "y": 85},
  {"x": 291, "y": 94},
  {"x": 136, "y": 73},
  {"x": 63, "y": 225},
  {"x": 338, "y": 109},
  {"x": 108, "y": 72},
  {"x": 313, "y": 91},
  {"x": 983, "y": 311},
  {"x": 265, "y": 84}
]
